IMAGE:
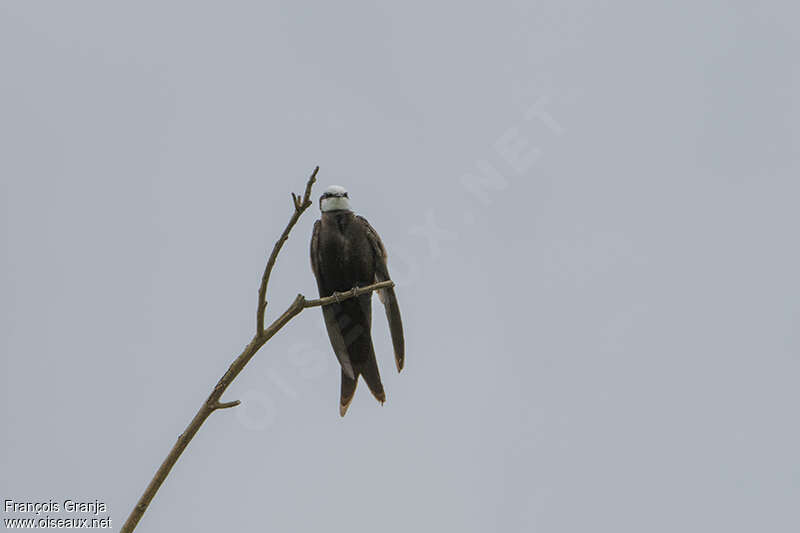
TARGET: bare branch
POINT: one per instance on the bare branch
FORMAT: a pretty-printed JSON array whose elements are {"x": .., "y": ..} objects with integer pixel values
[
  {"x": 298, "y": 210},
  {"x": 337, "y": 297},
  {"x": 309, "y": 184},
  {"x": 262, "y": 335},
  {"x": 226, "y": 405}
]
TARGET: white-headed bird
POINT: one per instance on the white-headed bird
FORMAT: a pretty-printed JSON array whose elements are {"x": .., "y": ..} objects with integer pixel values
[{"x": 345, "y": 253}]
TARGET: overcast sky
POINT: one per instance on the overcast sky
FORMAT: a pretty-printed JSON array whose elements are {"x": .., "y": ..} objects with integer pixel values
[{"x": 591, "y": 215}]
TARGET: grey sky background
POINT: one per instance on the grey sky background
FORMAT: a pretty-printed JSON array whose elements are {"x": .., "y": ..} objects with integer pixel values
[{"x": 602, "y": 336}]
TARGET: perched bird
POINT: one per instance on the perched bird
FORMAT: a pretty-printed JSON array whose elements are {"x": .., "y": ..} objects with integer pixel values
[{"x": 346, "y": 252}]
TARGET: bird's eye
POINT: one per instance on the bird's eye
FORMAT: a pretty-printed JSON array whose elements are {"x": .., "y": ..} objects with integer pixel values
[{"x": 345, "y": 195}]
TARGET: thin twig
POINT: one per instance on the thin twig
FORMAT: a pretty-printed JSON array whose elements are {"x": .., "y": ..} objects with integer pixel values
[
  {"x": 225, "y": 405},
  {"x": 262, "y": 335},
  {"x": 299, "y": 208},
  {"x": 352, "y": 293}
]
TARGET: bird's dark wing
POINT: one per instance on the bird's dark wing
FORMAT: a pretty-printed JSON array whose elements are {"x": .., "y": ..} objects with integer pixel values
[
  {"x": 329, "y": 311},
  {"x": 387, "y": 296}
]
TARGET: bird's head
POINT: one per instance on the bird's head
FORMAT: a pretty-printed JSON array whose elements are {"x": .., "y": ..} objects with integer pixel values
[{"x": 333, "y": 199}]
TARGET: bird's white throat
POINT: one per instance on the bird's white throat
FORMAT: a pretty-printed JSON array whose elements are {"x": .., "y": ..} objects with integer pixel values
[{"x": 334, "y": 203}]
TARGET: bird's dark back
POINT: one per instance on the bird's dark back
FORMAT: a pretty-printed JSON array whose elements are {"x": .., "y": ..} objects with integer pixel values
[{"x": 346, "y": 255}]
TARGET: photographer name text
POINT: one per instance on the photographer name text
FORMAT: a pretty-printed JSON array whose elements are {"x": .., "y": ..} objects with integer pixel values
[{"x": 44, "y": 509}]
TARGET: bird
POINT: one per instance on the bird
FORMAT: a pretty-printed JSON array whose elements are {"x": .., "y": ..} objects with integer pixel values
[{"x": 346, "y": 252}]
